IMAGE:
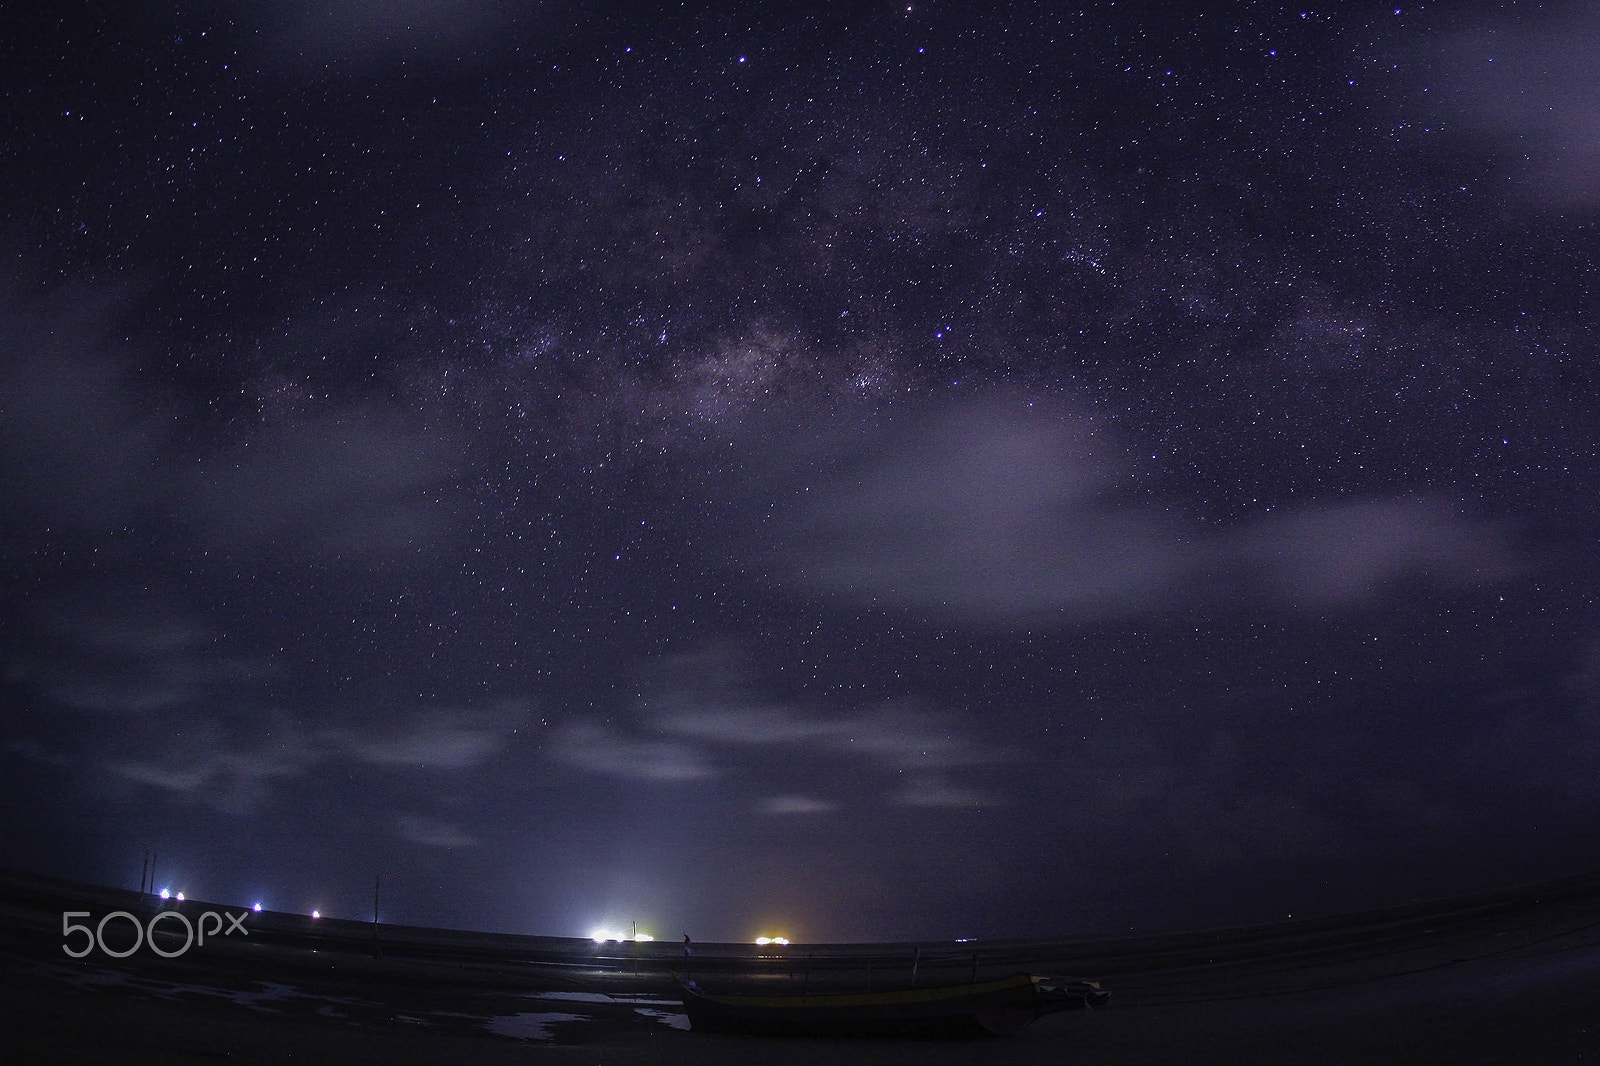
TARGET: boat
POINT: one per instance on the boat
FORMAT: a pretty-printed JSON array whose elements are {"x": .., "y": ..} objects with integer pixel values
[{"x": 999, "y": 1007}]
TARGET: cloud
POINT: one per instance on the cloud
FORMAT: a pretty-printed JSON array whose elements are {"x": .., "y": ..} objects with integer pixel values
[
  {"x": 232, "y": 756},
  {"x": 440, "y": 738},
  {"x": 934, "y": 791},
  {"x": 994, "y": 510},
  {"x": 78, "y": 443},
  {"x": 36, "y": 751},
  {"x": 756, "y": 725},
  {"x": 361, "y": 32},
  {"x": 704, "y": 715},
  {"x": 600, "y": 749},
  {"x": 85, "y": 444},
  {"x": 227, "y": 761},
  {"x": 1005, "y": 512},
  {"x": 710, "y": 697},
  {"x": 355, "y": 484},
  {"x": 900, "y": 735},
  {"x": 1532, "y": 86},
  {"x": 1345, "y": 553},
  {"x": 128, "y": 652},
  {"x": 895, "y": 734},
  {"x": 796, "y": 805},
  {"x": 432, "y": 832}
]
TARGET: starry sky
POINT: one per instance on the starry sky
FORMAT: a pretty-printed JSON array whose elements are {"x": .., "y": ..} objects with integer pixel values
[{"x": 859, "y": 471}]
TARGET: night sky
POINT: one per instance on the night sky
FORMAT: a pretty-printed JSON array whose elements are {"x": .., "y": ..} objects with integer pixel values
[{"x": 853, "y": 471}]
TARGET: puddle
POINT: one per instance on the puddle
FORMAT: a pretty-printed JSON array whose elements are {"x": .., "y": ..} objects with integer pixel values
[
  {"x": 530, "y": 1026},
  {"x": 676, "y": 1020}
]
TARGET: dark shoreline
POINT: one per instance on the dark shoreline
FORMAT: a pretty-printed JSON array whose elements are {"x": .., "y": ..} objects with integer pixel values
[{"x": 1501, "y": 976}]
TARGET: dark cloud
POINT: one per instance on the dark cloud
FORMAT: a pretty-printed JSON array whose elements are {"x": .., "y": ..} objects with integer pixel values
[
  {"x": 119, "y": 650},
  {"x": 361, "y": 485},
  {"x": 359, "y": 34},
  {"x": 81, "y": 440}
]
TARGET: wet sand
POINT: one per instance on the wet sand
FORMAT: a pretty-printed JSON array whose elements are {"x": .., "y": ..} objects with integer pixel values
[{"x": 1505, "y": 977}]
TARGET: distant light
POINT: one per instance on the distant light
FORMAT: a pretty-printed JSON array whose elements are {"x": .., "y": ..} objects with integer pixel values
[
  {"x": 257, "y": 908},
  {"x": 180, "y": 897},
  {"x": 600, "y": 936},
  {"x": 316, "y": 914},
  {"x": 781, "y": 941},
  {"x": 166, "y": 893},
  {"x": 644, "y": 938}
]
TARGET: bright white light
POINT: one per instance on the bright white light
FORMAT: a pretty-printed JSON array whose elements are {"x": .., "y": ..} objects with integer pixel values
[
  {"x": 316, "y": 914},
  {"x": 600, "y": 936},
  {"x": 166, "y": 894},
  {"x": 644, "y": 938},
  {"x": 180, "y": 897},
  {"x": 257, "y": 908},
  {"x": 778, "y": 940}
]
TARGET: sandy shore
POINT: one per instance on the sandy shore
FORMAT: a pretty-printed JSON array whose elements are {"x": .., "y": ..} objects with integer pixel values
[{"x": 1513, "y": 977}]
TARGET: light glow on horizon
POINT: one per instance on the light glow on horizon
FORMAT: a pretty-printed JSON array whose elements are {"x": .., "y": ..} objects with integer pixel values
[{"x": 604, "y": 934}]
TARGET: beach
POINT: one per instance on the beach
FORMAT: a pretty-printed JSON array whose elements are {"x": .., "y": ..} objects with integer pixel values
[{"x": 1493, "y": 978}]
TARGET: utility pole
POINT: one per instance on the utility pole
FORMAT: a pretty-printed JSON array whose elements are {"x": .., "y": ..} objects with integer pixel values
[{"x": 377, "y": 884}]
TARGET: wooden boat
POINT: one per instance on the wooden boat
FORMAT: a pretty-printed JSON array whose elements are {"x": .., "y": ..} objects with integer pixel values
[{"x": 998, "y": 1007}]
